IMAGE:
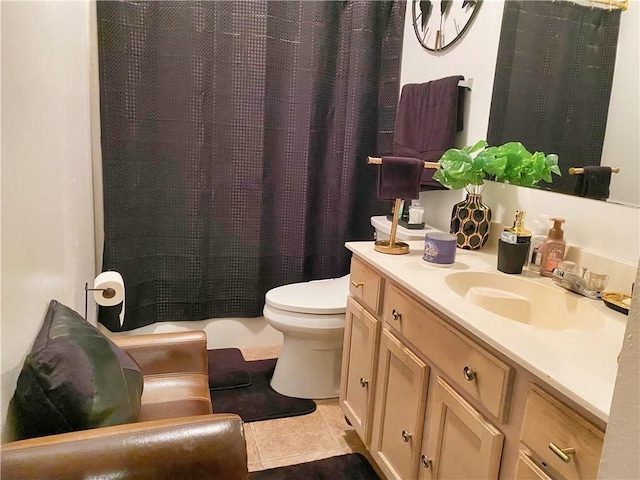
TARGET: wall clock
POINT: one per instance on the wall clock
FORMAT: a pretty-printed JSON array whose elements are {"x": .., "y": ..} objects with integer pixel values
[{"x": 439, "y": 24}]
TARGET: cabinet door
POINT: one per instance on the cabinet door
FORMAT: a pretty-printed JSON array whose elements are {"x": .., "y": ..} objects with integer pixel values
[
  {"x": 401, "y": 393},
  {"x": 357, "y": 380},
  {"x": 460, "y": 443}
]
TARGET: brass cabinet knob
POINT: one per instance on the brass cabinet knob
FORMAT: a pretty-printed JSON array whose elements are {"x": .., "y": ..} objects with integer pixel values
[
  {"x": 469, "y": 374},
  {"x": 396, "y": 315},
  {"x": 363, "y": 382},
  {"x": 563, "y": 453},
  {"x": 357, "y": 284},
  {"x": 406, "y": 436},
  {"x": 425, "y": 461}
]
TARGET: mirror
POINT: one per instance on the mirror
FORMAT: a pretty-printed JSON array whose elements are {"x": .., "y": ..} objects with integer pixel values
[{"x": 593, "y": 130}]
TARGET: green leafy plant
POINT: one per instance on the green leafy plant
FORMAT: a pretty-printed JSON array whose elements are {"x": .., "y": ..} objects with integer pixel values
[{"x": 509, "y": 163}]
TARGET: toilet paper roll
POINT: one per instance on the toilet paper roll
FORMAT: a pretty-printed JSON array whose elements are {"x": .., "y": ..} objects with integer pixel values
[{"x": 111, "y": 291}]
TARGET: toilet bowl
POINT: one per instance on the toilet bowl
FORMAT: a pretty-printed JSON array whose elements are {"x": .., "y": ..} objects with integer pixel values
[{"x": 310, "y": 316}]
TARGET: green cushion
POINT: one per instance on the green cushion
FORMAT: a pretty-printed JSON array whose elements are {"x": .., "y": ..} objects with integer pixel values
[{"x": 73, "y": 379}]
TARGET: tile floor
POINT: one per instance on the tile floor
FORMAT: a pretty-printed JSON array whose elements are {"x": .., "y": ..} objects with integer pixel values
[{"x": 287, "y": 441}]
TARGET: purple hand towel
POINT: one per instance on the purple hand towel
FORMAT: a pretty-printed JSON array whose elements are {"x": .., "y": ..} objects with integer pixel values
[
  {"x": 429, "y": 114},
  {"x": 594, "y": 183},
  {"x": 399, "y": 177}
]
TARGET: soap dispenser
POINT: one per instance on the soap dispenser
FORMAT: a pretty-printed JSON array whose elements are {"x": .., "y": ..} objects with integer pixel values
[
  {"x": 540, "y": 230},
  {"x": 553, "y": 248},
  {"x": 522, "y": 234},
  {"x": 513, "y": 246}
]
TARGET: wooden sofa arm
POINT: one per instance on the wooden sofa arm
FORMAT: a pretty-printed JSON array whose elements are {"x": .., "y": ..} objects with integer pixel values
[
  {"x": 167, "y": 352},
  {"x": 203, "y": 447}
]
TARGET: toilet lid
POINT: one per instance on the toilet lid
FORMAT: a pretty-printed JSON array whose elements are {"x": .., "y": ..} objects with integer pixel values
[{"x": 321, "y": 297}]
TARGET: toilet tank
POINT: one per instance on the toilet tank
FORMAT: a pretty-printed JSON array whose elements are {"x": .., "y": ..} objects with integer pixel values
[{"x": 382, "y": 228}]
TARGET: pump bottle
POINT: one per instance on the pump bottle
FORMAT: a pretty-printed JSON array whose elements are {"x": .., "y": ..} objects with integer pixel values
[
  {"x": 553, "y": 248},
  {"x": 540, "y": 231}
]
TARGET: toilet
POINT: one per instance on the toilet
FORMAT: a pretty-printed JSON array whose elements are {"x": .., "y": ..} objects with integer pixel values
[{"x": 310, "y": 316}]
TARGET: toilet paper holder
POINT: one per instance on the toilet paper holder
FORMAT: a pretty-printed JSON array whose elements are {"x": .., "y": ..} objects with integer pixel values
[{"x": 106, "y": 293}]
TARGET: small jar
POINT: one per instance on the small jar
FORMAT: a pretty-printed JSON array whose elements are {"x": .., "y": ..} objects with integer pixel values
[{"x": 416, "y": 213}]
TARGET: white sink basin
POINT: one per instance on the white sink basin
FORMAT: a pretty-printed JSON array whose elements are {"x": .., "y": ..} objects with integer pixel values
[{"x": 525, "y": 301}]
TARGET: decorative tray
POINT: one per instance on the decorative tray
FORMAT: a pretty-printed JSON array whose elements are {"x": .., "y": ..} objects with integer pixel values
[{"x": 617, "y": 301}]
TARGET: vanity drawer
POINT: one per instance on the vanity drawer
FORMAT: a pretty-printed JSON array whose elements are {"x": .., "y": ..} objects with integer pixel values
[
  {"x": 481, "y": 375},
  {"x": 366, "y": 286},
  {"x": 526, "y": 469},
  {"x": 549, "y": 427}
]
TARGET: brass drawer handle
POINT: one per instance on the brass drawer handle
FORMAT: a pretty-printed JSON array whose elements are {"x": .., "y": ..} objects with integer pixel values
[
  {"x": 469, "y": 374},
  {"x": 563, "y": 453},
  {"x": 396, "y": 315},
  {"x": 425, "y": 461},
  {"x": 363, "y": 382},
  {"x": 357, "y": 284},
  {"x": 406, "y": 436}
]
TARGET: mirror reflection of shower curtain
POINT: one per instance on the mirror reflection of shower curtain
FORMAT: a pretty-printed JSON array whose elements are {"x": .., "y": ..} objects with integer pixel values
[
  {"x": 234, "y": 139},
  {"x": 553, "y": 81}
]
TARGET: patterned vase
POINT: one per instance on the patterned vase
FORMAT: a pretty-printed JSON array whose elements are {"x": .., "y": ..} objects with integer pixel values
[{"x": 470, "y": 221}]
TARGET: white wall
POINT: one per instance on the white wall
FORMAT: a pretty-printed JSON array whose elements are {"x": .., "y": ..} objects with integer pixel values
[
  {"x": 47, "y": 200},
  {"x": 622, "y": 442}
]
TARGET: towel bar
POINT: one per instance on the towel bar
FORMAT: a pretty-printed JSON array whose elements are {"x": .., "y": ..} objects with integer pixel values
[
  {"x": 378, "y": 161},
  {"x": 468, "y": 83},
  {"x": 580, "y": 171},
  {"x": 391, "y": 246}
]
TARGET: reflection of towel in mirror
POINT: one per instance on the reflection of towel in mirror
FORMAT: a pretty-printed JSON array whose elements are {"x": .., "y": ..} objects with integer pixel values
[
  {"x": 593, "y": 183},
  {"x": 429, "y": 114},
  {"x": 399, "y": 177}
]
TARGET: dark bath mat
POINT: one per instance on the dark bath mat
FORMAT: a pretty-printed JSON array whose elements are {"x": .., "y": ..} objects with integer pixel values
[
  {"x": 259, "y": 401},
  {"x": 352, "y": 466},
  {"x": 227, "y": 369}
]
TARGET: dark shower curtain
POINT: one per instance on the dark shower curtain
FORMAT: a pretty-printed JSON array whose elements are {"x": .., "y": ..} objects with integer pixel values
[
  {"x": 553, "y": 81},
  {"x": 234, "y": 143}
]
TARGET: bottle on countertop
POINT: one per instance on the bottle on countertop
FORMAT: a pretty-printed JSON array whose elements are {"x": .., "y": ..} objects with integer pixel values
[
  {"x": 540, "y": 230},
  {"x": 416, "y": 213},
  {"x": 553, "y": 248},
  {"x": 513, "y": 246},
  {"x": 522, "y": 234}
]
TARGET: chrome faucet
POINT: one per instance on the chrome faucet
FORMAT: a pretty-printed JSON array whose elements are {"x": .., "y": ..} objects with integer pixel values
[{"x": 588, "y": 284}]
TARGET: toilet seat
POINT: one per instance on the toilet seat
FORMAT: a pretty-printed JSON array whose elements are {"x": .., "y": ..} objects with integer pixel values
[
  {"x": 304, "y": 324},
  {"x": 317, "y": 297}
]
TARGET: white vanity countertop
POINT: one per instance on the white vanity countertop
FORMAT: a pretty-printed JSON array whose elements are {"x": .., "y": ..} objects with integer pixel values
[{"x": 580, "y": 363}]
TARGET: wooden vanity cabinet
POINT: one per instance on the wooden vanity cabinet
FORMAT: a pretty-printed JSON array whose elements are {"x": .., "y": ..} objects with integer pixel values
[{"x": 431, "y": 401}]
